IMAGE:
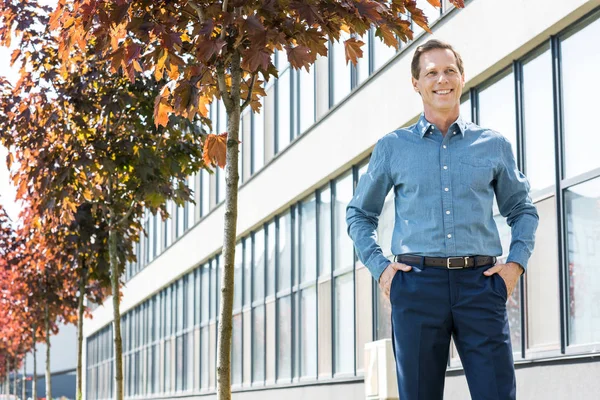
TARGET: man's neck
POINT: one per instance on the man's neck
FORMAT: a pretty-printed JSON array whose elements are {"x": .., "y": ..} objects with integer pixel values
[{"x": 442, "y": 119}]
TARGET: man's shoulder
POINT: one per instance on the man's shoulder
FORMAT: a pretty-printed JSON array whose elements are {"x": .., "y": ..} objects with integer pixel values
[
  {"x": 485, "y": 133},
  {"x": 399, "y": 134}
]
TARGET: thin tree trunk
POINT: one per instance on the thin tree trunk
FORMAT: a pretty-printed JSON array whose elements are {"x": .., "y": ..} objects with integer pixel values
[
  {"x": 34, "y": 376},
  {"x": 114, "y": 280},
  {"x": 80, "y": 309},
  {"x": 231, "y": 199},
  {"x": 24, "y": 380},
  {"x": 7, "y": 387},
  {"x": 48, "y": 373},
  {"x": 16, "y": 373}
]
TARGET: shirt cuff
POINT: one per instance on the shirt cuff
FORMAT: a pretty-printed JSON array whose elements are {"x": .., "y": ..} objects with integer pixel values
[
  {"x": 519, "y": 257},
  {"x": 378, "y": 265}
]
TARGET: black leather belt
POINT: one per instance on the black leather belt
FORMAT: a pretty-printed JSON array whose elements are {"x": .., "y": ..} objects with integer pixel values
[{"x": 447, "y": 262}]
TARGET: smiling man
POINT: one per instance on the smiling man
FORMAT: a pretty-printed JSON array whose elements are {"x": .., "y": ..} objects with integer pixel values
[{"x": 444, "y": 281}]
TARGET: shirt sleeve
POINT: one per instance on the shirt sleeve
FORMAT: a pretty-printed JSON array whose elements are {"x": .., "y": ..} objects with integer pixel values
[
  {"x": 362, "y": 213},
  {"x": 512, "y": 194}
]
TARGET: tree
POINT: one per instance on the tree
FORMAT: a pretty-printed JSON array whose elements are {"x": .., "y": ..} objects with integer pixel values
[{"x": 223, "y": 49}]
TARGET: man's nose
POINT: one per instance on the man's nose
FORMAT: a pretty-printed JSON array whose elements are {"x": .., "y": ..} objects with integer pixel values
[{"x": 442, "y": 78}]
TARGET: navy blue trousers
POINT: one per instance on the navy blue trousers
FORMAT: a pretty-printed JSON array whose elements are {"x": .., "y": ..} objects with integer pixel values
[{"x": 431, "y": 304}]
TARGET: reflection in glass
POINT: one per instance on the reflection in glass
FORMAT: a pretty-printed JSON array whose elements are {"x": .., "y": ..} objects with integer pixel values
[
  {"x": 340, "y": 73},
  {"x": 258, "y": 344},
  {"x": 285, "y": 252},
  {"x": 583, "y": 241},
  {"x": 258, "y": 139},
  {"x": 580, "y": 88},
  {"x": 308, "y": 332},
  {"x": 272, "y": 236},
  {"x": 306, "y": 87},
  {"x": 283, "y": 110},
  {"x": 258, "y": 278},
  {"x": 325, "y": 231},
  {"x": 284, "y": 351},
  {"x": 344, "y": 323},
  {"x": 236, "y": 350},
  {"x": 344, "y": 248},
  {"x": 238, "y": 270},
  {"x": 497, "y": 108},
  {"x": 538, "y": 105},
  {"x": 308, "y": 247}
]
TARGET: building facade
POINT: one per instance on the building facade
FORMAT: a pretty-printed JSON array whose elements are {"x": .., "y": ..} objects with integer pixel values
[{"x": 304, "y": 306}]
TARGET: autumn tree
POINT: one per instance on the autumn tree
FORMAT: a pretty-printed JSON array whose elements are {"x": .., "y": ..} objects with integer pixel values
[
  {"x": 90, "y": 139},
  {"x": 224, "y": 49}
]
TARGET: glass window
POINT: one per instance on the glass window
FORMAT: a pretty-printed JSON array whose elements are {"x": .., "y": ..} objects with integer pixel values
[
  {"x": 513, "y": 305},
  {"x": 340, "y": 71},
  {"x": 247, "y": 270},
  {"x": 308, "y": 244},
  {"x": 497, "y": 108},
  {"x": 284, "y": 352},
  {"x": 258, "y": 344},
  {"x": 381, "y": 52},
  {"x": 283, "y": 109},
  {"x": 180, "y": 221},
  {"x": 578, "y": 82},
  {"x": 344, "y": 323},
  {"x": 325, "y": 231},
  {"x": 258, "y": 139},
  {"x": 308, "y": 331},
  {"x": 362, "y": 69},
  {"x": 238, "y": 283},
  {"x": 205, "y": 203},
  {"x": 272, "y": 236},
  {"x": 583, "y": 240},
  {"x": 306, "y": 89},
  {"x": 465, "y": 108},
  {"x": 432, "y": 13},
  {"x": 538, "y": 107},
  {"x": 168, "y": 225},
  {"x": 344, "y": 248},
  {"x": 205, "y": 293},
  {"x": 285, "y": 251},
  {"x": 259, "y": 266},
  {"x": 236, "y": 350},
  {"x": 190, "y": 300},
  {"x": 204, "y": 356}
]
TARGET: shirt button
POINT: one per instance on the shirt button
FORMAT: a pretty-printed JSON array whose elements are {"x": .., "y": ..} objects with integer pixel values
[
  {"x": 446, "y": 189},
  {"x": 449, "y": 236},
  {"x": 448, "y": 212},
  {"x": 445, "y": 167},
  {"x": 444, "y": 146}
]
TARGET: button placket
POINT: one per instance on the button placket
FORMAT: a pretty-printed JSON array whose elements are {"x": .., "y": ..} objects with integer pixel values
[{"x": 446, "y": 182}]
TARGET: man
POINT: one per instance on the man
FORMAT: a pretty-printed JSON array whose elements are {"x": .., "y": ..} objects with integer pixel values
[{"x": 443, "y": 281}]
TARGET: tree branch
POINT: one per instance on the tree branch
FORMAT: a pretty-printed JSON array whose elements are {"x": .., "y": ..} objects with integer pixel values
[
  {"x": 249, "y": 98},
  {"x": 198, "y": 10},
  {"x": 225, "y": 96}
]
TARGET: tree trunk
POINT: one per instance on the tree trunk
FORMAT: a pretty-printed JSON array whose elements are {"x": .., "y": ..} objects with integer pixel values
[
  {"x": 80, "y": 309},
  {"x": 114, "y": 280},
  {"x": 24, "y": 380},
  {"x": 231, "y": 199},
  {"x": 34, "y": 376},
  {"x": 16, "y": 373},
  {"x": 7, "y": 381},
  {"x": 48, "y": 373}
]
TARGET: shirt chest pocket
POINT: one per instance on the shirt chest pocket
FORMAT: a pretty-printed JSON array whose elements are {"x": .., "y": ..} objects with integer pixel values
[{"x": 476, "y": 173}]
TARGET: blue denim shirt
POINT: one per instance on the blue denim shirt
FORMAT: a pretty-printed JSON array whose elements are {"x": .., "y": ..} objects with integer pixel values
[{"x": 443, "y": 191}]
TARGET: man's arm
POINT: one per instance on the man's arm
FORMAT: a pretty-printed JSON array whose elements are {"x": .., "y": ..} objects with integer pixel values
[
  {"x": 512, "y": 194},
  {"x": 362, "y": 213}
]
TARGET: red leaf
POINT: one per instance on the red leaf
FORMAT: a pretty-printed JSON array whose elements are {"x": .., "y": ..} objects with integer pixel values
[{"x": 300, "y": 56}]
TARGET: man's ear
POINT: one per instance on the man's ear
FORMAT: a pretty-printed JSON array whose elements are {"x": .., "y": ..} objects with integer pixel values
[{"x": 414, "y": 83}]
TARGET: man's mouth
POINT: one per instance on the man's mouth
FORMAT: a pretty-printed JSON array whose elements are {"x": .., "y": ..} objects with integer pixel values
[{"x": 442, "y": 92}]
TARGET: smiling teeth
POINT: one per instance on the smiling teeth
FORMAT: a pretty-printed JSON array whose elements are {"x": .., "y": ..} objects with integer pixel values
[{"x": 443, "y": 91}]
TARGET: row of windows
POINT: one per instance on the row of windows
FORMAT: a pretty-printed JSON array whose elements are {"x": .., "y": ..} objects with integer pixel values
[
  {"x": 303, "y": 307},
  {"x": 290, "y": 108}
]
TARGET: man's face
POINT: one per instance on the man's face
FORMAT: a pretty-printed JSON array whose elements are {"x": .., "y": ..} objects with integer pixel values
[{"x": 440, "y": 83}]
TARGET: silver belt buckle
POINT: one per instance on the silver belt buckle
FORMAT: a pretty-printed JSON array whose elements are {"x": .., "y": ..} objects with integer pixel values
[{"x": 456, "y": 258}]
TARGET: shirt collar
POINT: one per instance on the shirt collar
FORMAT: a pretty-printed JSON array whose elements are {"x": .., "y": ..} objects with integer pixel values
[{"x": 423, "y": 126}]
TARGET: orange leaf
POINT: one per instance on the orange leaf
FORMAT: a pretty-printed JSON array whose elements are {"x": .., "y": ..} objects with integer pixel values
[
  {"x": 215, "y": 149},
  {"x": 435, "y": 3},
  {"x": 162, "y": 109},
  {"x": 353, "y": 50}
]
